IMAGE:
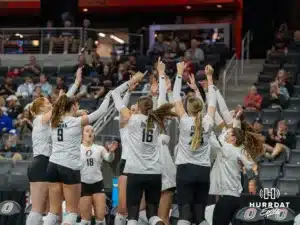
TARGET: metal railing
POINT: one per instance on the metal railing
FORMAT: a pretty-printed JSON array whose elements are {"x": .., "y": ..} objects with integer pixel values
[
  {"x": 232, "y": 67},
  {"x": 35, "y": 40}
]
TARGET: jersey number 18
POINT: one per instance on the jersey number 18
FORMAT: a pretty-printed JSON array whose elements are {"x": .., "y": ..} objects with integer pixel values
[
  {"x": 147, "y": 135},
  {"x": 90, "y": 162}
]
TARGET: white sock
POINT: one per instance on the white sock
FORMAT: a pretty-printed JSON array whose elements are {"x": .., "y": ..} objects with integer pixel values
[
  {"x": 100, "y": 222},
  {"x": 143, "y": 217},
  {"x": 51, "y": 219},
  {"x": 120, "y": 219},
  {"x": 85, "y": 222},
  {"x": 132, "y": 222},
  {"x": 183, "y": 222},
  {"x": 34, "y": 218},
  {"x": 154, "y": 220}
]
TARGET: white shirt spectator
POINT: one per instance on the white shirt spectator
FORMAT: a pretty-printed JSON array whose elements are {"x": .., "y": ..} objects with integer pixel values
[
  {"x": 196, "y": 54},
  {"x": 81, "y": 91},
  {"x": 25, "y": 90}
]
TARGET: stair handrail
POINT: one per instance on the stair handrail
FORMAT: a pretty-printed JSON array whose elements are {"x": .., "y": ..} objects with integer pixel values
[{"x": 245, "y": 54}]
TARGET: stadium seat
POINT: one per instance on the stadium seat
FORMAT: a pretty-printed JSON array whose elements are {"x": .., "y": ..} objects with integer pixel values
[
  {"x": 5, "y": 166},
  {"x": 250, "y": 115},
  {"x": 66, "y": 70},
  {"x": 296, "y": 91},
  {"x": 292, "y": 118},
  {"x": 50, "y": 70},
  {"x": 270, "y": 116},
  {"x": 87, "y": 103},
  {"x": 271, "y": 68},
  {"x": 281, "y": 158},
  {"x": 276, "y": 58},
  {"x": 18, "y": 182},
  {"x": 291, "y": 171},
  {"x": 4, "y": 186},
  {"x": 265, "y": 78},
  {"x": 20, "y": 167},
  {"x": 3, "y": 71},
  {"x": 288, "y": 186},
  {"x": 295, "y": 157},
  {"x": 267, "y": 183},
  {"x": 294, "y": 103},
  {"x": 269, "y": 170}
]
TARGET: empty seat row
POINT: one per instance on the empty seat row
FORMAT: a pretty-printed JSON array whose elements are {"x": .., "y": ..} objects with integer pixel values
[
  {"x": 286, "y": 186},
  {"x": 11, "y": 167},
  {"x": 276, "y": 170}
]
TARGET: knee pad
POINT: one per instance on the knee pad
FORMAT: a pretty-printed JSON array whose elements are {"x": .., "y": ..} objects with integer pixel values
[
  {"x": 155, "y": 220},
  {"x": 70, "y": 218},
  {"x": 133, "y": 213},
  {"x": 151, "y": 210},
  {"x": 185, "y": 213}
]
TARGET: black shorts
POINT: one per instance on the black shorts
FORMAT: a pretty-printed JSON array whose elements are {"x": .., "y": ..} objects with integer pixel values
[
  {"x": 192, "y": 184},
  {"x": 90, "y": 189},
  {"x": 38, "y": 169},
  {"x": 150, "y": 184},
  {"x": 122, "y": 166},
  {"x": 61, "y": 174}
]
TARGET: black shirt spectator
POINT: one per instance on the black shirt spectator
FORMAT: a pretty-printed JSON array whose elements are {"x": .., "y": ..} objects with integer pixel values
[
  {"x": 60, "y": 85},
  {"x": 13, "y": 109},
  {"x": 8, "y": 88},
  {"x": 32, "y": 68},
  {"x": 86, "y": 69},
  {"x": 274, "y": 98}
]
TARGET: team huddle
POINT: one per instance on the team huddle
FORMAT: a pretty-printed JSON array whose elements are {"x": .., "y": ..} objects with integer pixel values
[{"x": 67, "y": 163}]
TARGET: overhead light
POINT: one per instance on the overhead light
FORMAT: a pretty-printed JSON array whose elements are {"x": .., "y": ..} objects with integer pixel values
[
  {"x": 21, "y": 36},
  {"x": 17, "y": 34},
  {"x": 35, "y": 43},
  {"x": 119, "y": 40},
  {"x": 219, "y": 6},
  {"x": 188, "y": 7},
  {"x": 155, "y": 35},
  {"x": 85, "y": 10},
  {"x": 102, "y": 35}
]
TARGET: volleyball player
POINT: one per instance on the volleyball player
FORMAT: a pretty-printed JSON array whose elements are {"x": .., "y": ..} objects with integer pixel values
[
  {"x": 41, "y": 111},
  {"x": 92, "y": 187},
  {"x": 143, "y": 169},
  {"x": 193, "y": 150},
  {"x": 234, "y": 145},
  {"x": 64, "y": 163}
]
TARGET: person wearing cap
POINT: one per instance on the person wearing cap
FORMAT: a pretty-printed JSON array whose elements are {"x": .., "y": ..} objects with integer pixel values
[
  {"x": 13, "y": 108},
  {"x": 5, "y": 123}
]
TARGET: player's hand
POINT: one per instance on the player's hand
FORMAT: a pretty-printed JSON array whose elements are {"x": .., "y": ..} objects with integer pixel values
[
  {"x": 113, "y": 146},
  {"x": 192, "y": 82},
  {"x": 209, "y": 71},
  {"x": 161, "y": 67},
  {"x": 79, "y": 75},
  {"x": 180, "y": 68},
  {"x": 154, "y": 87}
]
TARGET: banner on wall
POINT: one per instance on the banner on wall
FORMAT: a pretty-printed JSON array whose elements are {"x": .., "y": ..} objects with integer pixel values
[{"x": 19, "y": 4}]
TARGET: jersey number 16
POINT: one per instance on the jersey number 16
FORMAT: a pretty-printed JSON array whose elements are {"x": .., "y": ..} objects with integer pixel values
[{"x": 147, "y": 135}]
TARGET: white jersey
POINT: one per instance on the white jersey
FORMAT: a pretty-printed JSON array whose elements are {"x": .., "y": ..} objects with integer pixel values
[
  {"x": 142, "y": 147},
  {"x": 91, "y": 162},
  {"x": 41, "y": 137},
  {"x": 168, "y": 166},
  {"x": 185, "y": 154},
  {"x": 66, "y": 141},
  {"x": 124, "y": 141}
]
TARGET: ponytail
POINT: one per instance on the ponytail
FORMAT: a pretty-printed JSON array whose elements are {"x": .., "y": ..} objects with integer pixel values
[
  {"x": 62, "y": 105},
  {"x": 196, "y": 139},
  {"x": 31, "y": 114},
  {"x": 253, "y": 144},
  {"x": 160, "y": 115}
]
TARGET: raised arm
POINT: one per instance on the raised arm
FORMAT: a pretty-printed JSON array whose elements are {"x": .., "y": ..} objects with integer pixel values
[
  {"x": 212, "y": 99},
  {"x": 162, "y": 91},
  {"x": 179, "y": 109},
  {"x": 223, "y": 108},
  {"x": 91, "y": 118},
  {"x": 116, "y": 94}
]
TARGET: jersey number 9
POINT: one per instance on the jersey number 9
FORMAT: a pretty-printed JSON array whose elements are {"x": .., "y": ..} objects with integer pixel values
[
  {"x": 60, "y": 134},
  {"x": 147, "y": 135}
]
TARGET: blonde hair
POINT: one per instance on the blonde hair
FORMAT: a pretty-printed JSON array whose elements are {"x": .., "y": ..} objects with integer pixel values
[{"x": 194, "y": 108}]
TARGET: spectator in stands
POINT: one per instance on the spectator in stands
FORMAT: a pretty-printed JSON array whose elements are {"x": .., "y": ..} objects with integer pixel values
[
  {"x": 32, "y": 67},
  {"x": 123, "y": 74},
  {"x": 81, "y": 91},
  {"x": 88, "y": 36},
  {"x": 107, "y": 79},
  {"x": 37, "y": 93},
  {"x": 274, "y": 99},
  {"x": 13, "y": 107},
  {"x": 5, "y": 123},
  {"x": 283, "y": 82},
  {"x": 257, "y": 125},
  {"x": 26, "y": 89},
  {"x": 8, "y": 88},
  {"x": 159, "y": 47},
  {"x": 251, "y": 184},
  {"x": 60, "y": 85},
  {"x": 50, "y": 36},
  {"x": 114, "y": 64},
  {"x": 280, "y": 42},
  {"x": 23, "y": 124},
  {"x": 279, "y": 139},
  {"x": 181, "y": 44},
  {"x": 46, "y": 88},
  {"x": 253, "y": 100},
  {"x": 86, "y": 69},
  {"x": 10, "y": 147},
  {"x": 15, "y": 72},
  {"x": 132, "y": 68},
  {"x": 95, "y": 88},
  {"x": 67, "y": 36},
  {"x": 295, "y": 45},
  {"x": 195, "y": 53},
  {"x": 175, "y": 51}
]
